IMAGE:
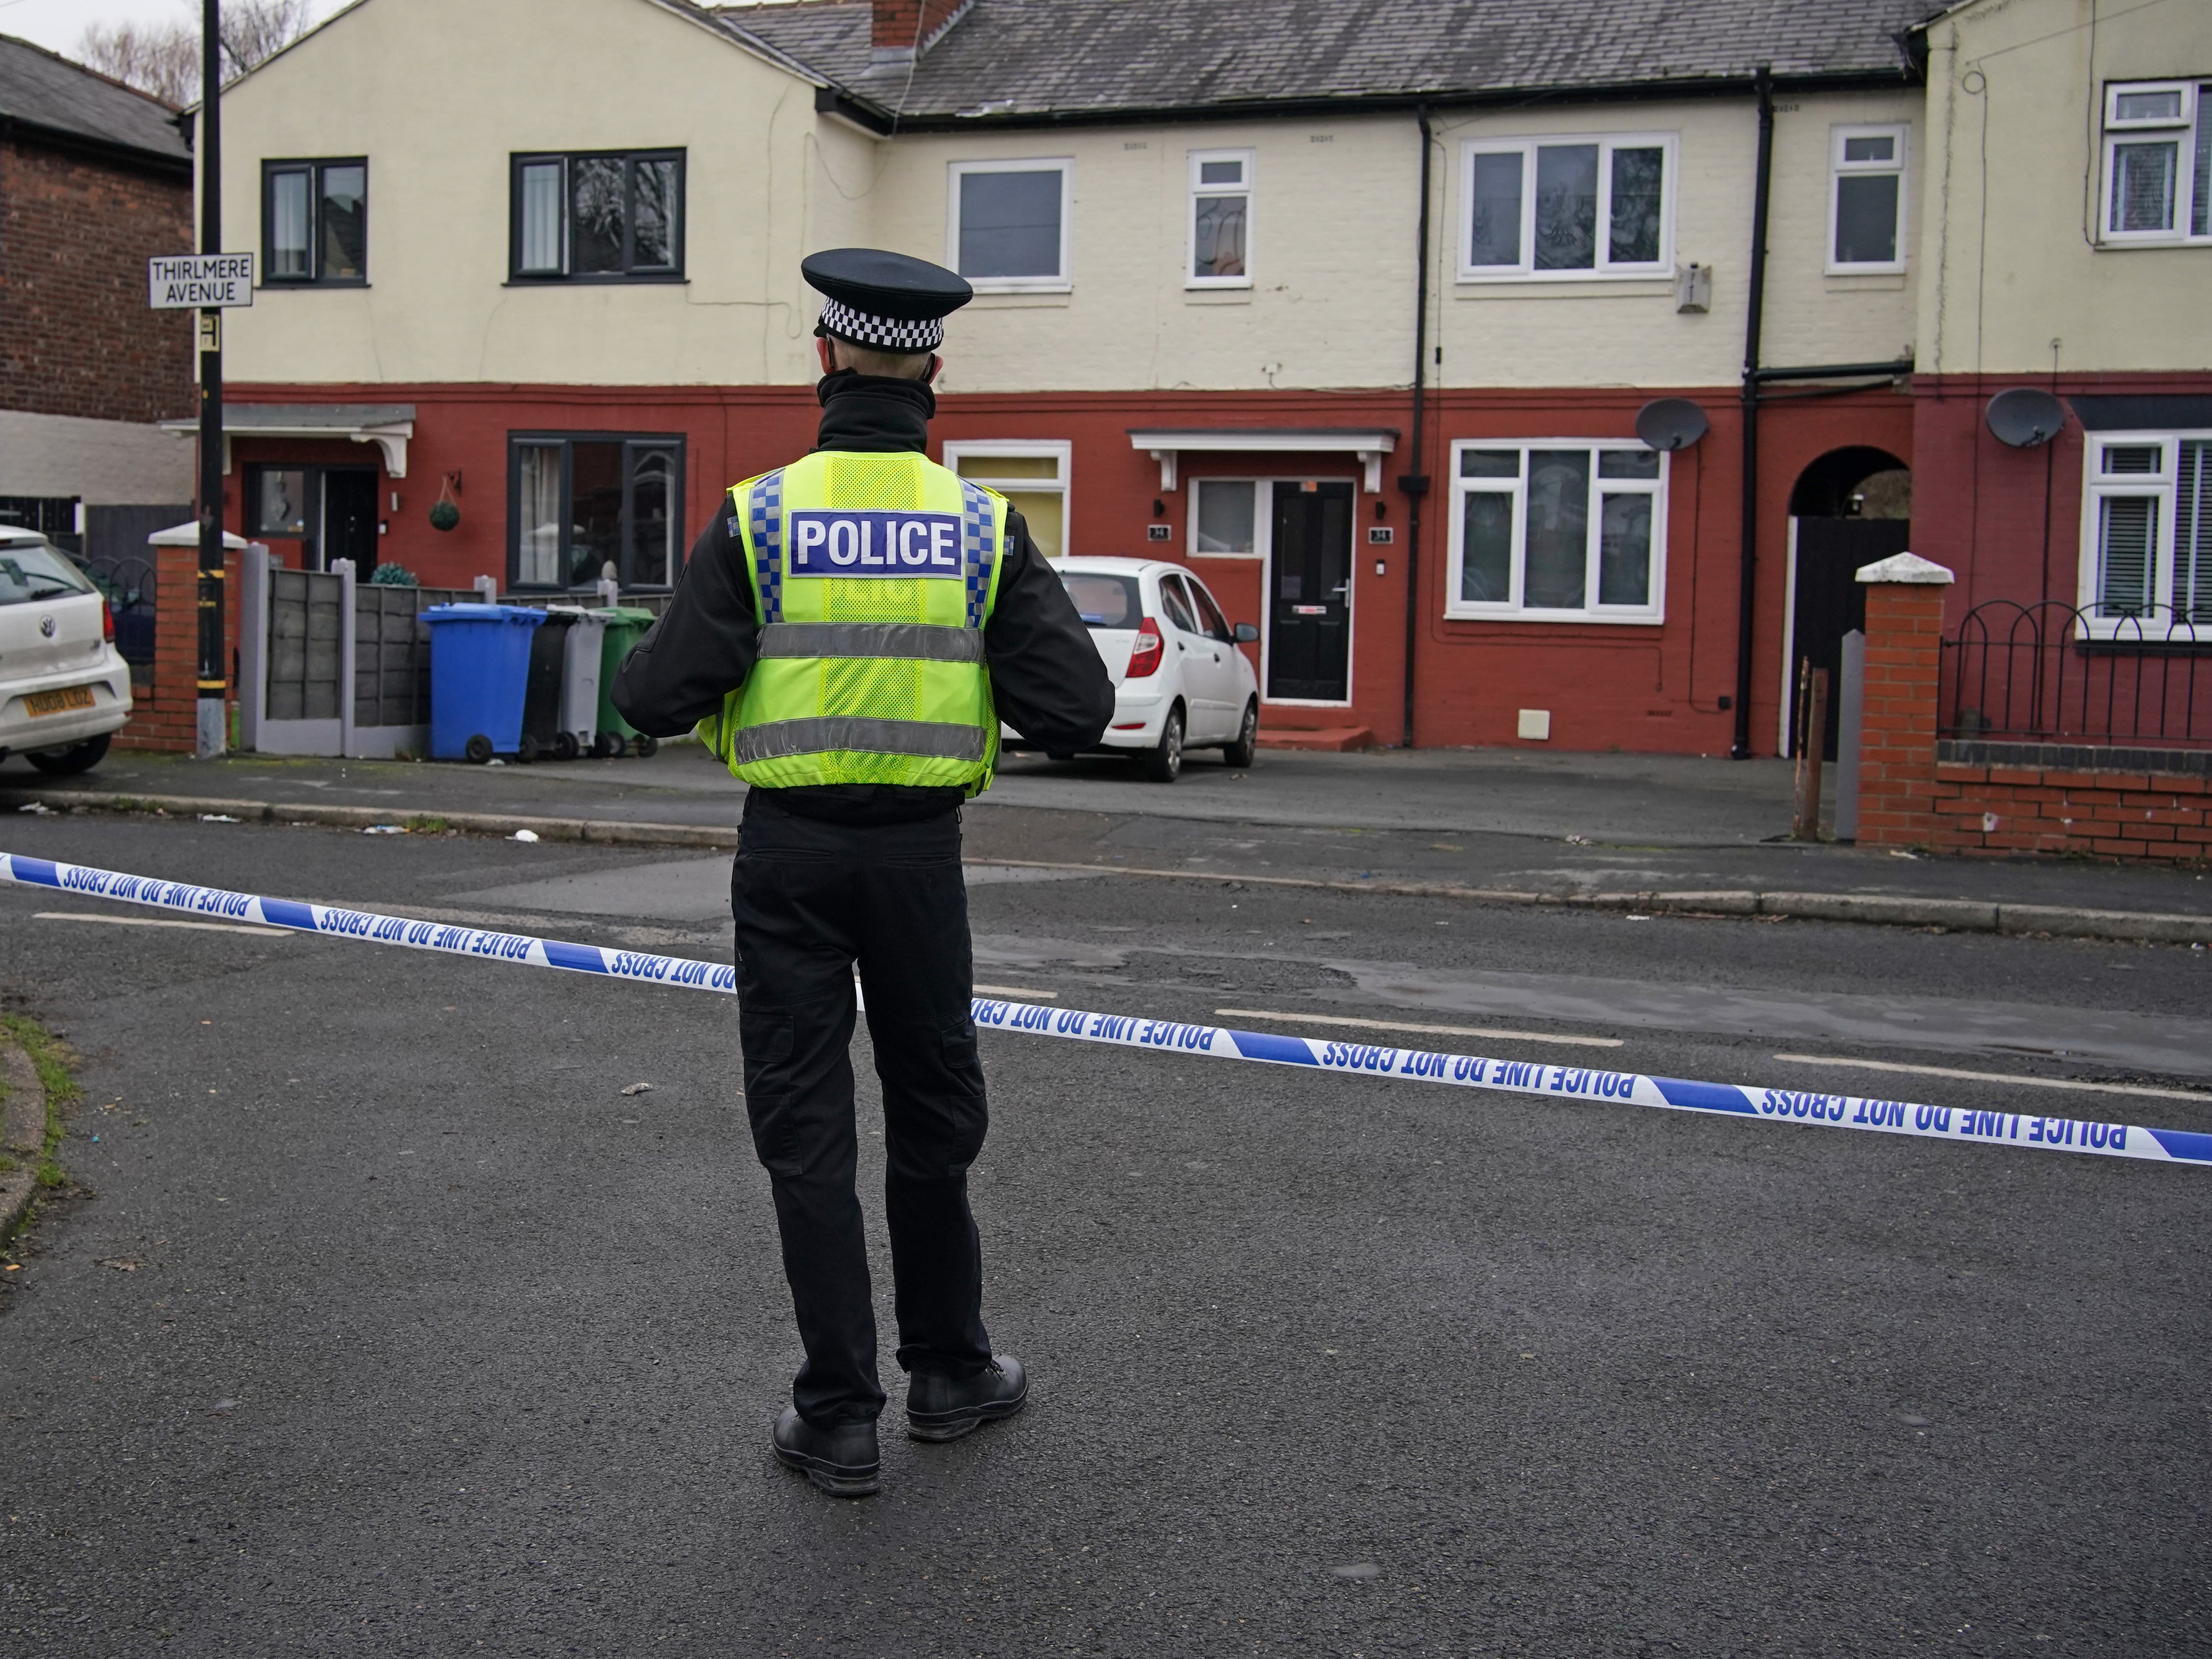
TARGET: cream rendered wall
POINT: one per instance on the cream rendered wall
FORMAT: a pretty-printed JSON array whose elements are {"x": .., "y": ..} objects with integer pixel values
[
  {"x": 2010, "y": 200},
  {"x": 437, "y": 95},
  {"x": 1331, "y": 256},
  {"x": 1626, "y": 331}
]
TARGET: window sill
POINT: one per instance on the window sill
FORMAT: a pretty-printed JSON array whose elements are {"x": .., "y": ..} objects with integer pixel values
[
  {"x": 1250, "y": 558},
  {"x": 2111, "y": 243},
  {"x": 596, "y": 282},
  {"x": 1218, "y": 296},
  {"x": 281, "y": 287},
  {"x": 1556, "y": 618},
  {"x": 1640, "y": 286},
  {"x": 1860, "y": 279},
  {"x": 992, "y": 299}
]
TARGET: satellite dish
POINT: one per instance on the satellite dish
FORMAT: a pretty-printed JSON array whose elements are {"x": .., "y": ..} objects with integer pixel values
[
  {"x": 1670, "y": 423},
  {"x": 2024, "y": 418}
]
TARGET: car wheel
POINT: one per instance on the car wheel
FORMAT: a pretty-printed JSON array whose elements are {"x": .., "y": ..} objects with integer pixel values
[
  {"x": 1245, "y": 749},
  {"x": 645, "y": 747},
  {"x": 477, "y": 749},
  {"x": 1163, "y": 761},
  {"x": 77, "y": 758}
]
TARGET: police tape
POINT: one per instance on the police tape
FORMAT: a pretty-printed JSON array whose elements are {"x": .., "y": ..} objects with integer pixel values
[
  {"x": 485, "y": 944},
  {"x": 2028, "y": 1132}
]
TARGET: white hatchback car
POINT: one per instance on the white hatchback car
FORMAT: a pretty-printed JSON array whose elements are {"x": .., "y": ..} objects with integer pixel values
[
  {"x": 63, "y": 688},
  {"x": 1179, "y": 680}
]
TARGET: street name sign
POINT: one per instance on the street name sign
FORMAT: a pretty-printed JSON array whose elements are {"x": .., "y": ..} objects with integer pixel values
[{"x": 192, "y": 281}]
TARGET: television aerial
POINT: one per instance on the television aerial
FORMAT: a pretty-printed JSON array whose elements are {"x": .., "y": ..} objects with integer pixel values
[
  {"x": 2024, "y": 418},
  {"x": 1670, "y": 423}
]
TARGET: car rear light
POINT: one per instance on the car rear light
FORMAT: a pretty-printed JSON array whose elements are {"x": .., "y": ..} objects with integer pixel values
[
  {"x": 1145, "y": 655},
  {"x": 107, "y": 622}
]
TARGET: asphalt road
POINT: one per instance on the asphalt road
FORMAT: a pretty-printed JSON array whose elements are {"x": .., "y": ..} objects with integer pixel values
[{"x": 389, "y": 1325}]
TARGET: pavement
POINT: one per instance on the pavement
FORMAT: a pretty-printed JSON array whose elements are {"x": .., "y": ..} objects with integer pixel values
[
  {"x": 1560, "y": 826},
  {"x": 384, "y": 1322}
]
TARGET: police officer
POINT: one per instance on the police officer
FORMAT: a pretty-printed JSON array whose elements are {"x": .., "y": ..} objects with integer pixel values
[{"x": 849, "y": 633}]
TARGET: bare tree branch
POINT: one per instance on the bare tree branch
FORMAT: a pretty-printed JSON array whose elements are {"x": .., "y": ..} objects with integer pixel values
[{"x": 164, "y": 60}]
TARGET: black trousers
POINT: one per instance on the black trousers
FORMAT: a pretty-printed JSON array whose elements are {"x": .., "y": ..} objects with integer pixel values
[{"x": 810, "y": 899}]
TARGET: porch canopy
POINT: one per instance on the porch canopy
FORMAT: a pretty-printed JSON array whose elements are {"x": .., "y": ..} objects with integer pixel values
[
  {"x": 1370, "y": 444},
  {"x": 388, "y": 426}
]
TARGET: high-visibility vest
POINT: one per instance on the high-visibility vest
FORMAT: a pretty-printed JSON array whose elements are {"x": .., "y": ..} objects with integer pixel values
[{"x": 872, "y": 576}]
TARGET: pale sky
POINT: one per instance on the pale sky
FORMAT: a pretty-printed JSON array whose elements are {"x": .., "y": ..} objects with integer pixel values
[{"x": 56, "y": 24}]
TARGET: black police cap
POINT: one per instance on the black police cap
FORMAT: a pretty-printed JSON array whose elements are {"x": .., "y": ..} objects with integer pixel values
[{"x": 891, "y": 302}]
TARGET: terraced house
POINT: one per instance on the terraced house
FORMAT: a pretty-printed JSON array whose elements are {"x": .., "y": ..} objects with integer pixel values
[{"x": 1527, "y": 370}]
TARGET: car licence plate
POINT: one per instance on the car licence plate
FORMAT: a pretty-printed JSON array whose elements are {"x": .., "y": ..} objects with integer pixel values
[{"x": 59, "y": 703}]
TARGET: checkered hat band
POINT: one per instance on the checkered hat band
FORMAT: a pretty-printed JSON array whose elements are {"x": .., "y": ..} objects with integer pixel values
[{"x": 885, "y": 333}]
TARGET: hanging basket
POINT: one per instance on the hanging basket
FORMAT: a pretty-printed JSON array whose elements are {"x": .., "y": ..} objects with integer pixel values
[{"x": 445, "y": 511}]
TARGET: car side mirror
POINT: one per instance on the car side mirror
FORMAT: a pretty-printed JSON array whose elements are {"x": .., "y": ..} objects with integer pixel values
[{"x": 1246, "y": 634}]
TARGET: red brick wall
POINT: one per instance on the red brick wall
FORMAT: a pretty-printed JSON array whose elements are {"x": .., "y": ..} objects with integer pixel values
[
  {"x": 75, "y": 335},
  {"x": 2153, "y": 818},
  {"x": 168, "y": 715},
  {"x": 1638, "y": 688}
]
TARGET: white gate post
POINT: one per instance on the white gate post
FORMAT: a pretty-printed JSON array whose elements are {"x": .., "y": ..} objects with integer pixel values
[
  {"x": 349, "y": 637},
  {"x": 253, "y": 643}
]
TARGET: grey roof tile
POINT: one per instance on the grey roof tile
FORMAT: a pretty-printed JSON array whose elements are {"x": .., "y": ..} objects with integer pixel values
[
  {"x": 1047, "y": 57},
  {"x": 48, "y": 90}
]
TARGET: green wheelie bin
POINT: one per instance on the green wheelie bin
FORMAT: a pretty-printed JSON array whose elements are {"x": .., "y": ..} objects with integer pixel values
[{"x": 626, "y": 626}]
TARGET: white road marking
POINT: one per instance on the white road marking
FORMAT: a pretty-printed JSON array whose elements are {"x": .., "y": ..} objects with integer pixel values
[
  {"x": 1434, "y": 1030},
  {"x": 162, "y": 922},
  {"x": 2002, "y": 1077}
]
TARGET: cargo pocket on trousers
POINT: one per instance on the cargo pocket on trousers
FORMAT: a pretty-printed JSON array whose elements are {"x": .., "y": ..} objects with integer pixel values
[
  {"x": 767, "y": 1041},
  {"x": 963, "y": 1065}
]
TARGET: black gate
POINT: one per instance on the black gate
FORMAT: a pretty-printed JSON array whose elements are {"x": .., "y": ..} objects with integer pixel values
[{"x": 1832, "y": 601}]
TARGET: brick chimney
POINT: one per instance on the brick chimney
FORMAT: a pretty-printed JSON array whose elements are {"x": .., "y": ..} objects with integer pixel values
[{"x": 904, "y": 28}]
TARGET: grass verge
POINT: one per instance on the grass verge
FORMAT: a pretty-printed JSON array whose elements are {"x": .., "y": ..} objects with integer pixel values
[{"x": 61, "y": 1090}]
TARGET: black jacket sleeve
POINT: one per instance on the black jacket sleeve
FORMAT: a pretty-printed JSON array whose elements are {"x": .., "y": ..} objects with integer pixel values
[
  {"x": 704, "y": 645},
  {"x": 1046, "y": 675}
]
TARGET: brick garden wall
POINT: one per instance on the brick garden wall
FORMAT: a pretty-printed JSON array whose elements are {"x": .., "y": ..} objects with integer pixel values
[
  {"x": 76, "y": 337},
  {"x": 166, "y": 716},
  {"x": 2143, "y": 816},
  {"x": 2004, "y": 798}
]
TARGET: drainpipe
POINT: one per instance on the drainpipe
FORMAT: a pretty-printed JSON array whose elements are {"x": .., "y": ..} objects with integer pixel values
[
  {"x": 1763, "y": 85},
  {"x": 1415, "y": 484}
]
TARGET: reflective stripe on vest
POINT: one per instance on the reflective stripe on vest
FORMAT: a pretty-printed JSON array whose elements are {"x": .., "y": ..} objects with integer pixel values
[
  {"x": 897, "y": 641},
  {"x": 827, "y": 734}
]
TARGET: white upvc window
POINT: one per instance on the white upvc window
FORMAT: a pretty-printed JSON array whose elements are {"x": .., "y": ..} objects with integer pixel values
[
  {"x": 1866, "y": 198},
  {"x": 1220, "y": 250},
  {"x": 2147, "y": 532},
  {"x": 1006, "y": 224},
  {"x": 1558, "y": 530},
  {"x": 1031, "y": 473},
  {"x": 2158, "y": 163},
  {"x": 1567, "y": 208},
  {"x": 1228, "y": 517}
]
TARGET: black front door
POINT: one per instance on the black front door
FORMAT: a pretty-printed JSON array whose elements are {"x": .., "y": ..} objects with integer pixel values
[
  {"x": 1831, "y": 600},
  {"x": 350, "y": 518},
  {"x": 1310, "y": 593}
]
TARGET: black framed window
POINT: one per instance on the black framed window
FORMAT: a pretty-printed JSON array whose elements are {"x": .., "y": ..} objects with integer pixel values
[
  {"x": 315, "y": 221},
  {"x": 585, "y": 506},
  {"x": 605, "y": 216}
]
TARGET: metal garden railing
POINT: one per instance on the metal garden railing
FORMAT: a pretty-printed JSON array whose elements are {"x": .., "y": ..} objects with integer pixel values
[{"x": 2052, "y": 672}]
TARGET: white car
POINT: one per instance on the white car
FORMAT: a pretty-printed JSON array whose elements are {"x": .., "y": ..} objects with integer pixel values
[
  {"x": 63, "y": 688},
  {"x": 1179, "y": 680}
]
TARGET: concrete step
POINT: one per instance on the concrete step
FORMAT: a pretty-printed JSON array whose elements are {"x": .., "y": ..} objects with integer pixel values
[{"x": 1332, "y": 739}]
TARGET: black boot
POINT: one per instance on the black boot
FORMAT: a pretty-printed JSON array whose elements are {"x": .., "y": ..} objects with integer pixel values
[
  {"x": 840, "y": 1459},
  {"x": 941, "y": 1408}
]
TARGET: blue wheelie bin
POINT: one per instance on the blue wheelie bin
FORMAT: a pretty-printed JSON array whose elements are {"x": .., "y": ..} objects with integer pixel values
[{"x": 479, "y": 671}]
